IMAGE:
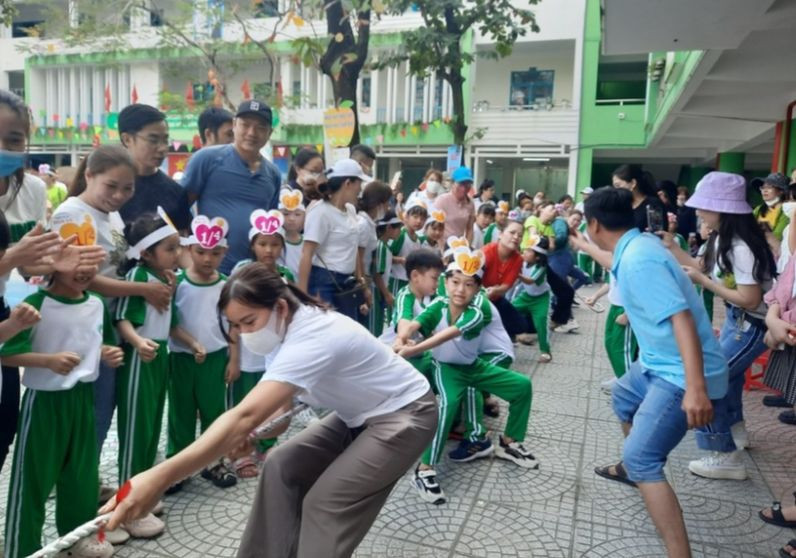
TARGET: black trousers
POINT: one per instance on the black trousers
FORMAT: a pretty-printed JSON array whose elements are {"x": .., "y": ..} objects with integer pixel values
[
  {"x": 514, "y": 322},
  {"x": 9, "y": 400},
  {"x": 563, "y": 294}
]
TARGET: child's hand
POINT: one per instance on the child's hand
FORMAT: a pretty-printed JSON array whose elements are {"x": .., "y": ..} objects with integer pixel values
[
  {"x": 158, "y": 295},
  {"x": 779, "y": 332},
  {"x": 78, "y": 259},
  {"x": 112, "y": 356},
  {"x": 243, "y": 450},
  {"x": 398, "y": 260},
  {"x": 408, "y": 351},
  {"x": 364, "y": 309},
  {"x": 64, "y": 363},
  {"x": 694, "y": 274},
  {"x": 199, "y": 352},
  {"x": 621, "y": 320},
  {"x": 389, "y": 300},
  {"x": 590, "y": 300},
  {"x": 231, "y": 373},
  {"x": 147, "y": 348},
  {"x": 667, "y": 238},
  {"x": 23, "y": 316}
]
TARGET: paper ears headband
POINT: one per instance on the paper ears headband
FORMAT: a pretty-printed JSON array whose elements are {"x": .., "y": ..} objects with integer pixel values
[
  {"x": 436, "y": 216},
  {"x": 471, "y": 263},
  {"x": 416, "y": 203},
  {"x": 503, "y": 206},
  {"x": 266, "y": 222},
  {"x": 532, "y": 243},
  {"x": 290, "y": 200},
  {"x": 455, "y": 243},
  {"x": 167, "y": 230},
  {"x": 207, "y": 233},
  {"x": 83, "y": 228}
]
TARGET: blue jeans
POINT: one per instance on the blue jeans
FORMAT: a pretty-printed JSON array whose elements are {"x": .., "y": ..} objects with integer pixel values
[
  {"x": 740, "y": 348},
  {"x": 653, "y": 406},
  {"x": 104, "y": 402},
  {"x": 579, "y": 277},
  {"x": 324, "y": 284}
]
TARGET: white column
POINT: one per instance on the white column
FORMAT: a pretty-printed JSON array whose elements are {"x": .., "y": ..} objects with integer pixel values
[
  {"x": 75, "y": 94},
  {"x": 407, "y": 94},
  {"x": 426, "y": 98},
  {"x": 97, "y": 97},
  {"x": 49, "y": 99},
  {"x": 375, "y": 75},
  {"x": 412, "y": 98},
  {"x": 319, "y": 90},
  {"x": 390, "y": 101}
]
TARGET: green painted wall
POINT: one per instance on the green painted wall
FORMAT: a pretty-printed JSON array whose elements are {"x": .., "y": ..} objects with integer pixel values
[{"x": 731, "y": 162}]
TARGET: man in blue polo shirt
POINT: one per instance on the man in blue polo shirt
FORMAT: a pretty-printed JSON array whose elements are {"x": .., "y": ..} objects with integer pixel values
[
  {"x": 681, "y": 368},
  {"x": 231, "y": 181}
]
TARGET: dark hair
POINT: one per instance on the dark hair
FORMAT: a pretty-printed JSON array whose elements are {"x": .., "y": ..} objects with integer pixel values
[
  {"x": 670, "y": 189},
  {"x": 5, "y": 232},
  {"x": 486, "y": 185},
  {"x": 304, "y": 156},
  {"x": 423, "y": 260},
  {"x": 332, "y": 185},
  {"x": 575, "y": 211},
  {"x": 364, "y": 151},
  {"x": 258, "y": 287},
  {"x": 212, "y": 119},
  {"x": 254, "y": 239},
  {"x": 381, "y": 229},
  {"x": 133, "y": 118},
  {"x": 449, "y": 274},
  {"x": 136, "y": 230},
  {"x": 544, "y": 244},
  {"x": 565, "y": 197},
  {"x": 683, "y": 190},
  {"x": 544, "y": 203},
  {"x": 628, "y": 173},
  {"x": 18, "y": 107},
  {"x": 746, "y": 228},
  {"x": 101, "y": 160},
  {"x": 612, "y": 208},
  {"x": 792, "y": 193},
  {"x": 433, "y": 171},
  {"x": 487, "y": 209},
  {"x": 374, "y": 194},
  {"x": 418, "y": 210}
]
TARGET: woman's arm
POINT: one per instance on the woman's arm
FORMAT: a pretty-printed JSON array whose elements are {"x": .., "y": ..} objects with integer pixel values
[
  {"x": 229, "y": 431},
  {"x": 747, "y": 297},
  {"x": 155, "y": 293},
  {"x": 305, "y": 265},
  {"x": 579, "y": 242}
]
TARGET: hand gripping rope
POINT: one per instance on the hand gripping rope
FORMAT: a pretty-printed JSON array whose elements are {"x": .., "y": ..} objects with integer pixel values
[{"x": 97, "y": 525}]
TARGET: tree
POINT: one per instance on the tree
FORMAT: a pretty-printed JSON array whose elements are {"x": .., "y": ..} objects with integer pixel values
[
  {"x": 7, "y": 12},
  {"x": 437, "y": 47}
]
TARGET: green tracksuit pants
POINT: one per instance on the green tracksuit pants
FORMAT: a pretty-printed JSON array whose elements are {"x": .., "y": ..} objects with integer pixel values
[
  {"x": 56, "y": 447},
  {"x": 453, "y": 381},
  {"x": 140, "y": 397},
  {"x": 239, "y": 389},
  {"x": 537, "y": 309},
  {"x": 474, "y": 399},
  {"x": 590, "y": 267},
  {"x": 620, "y": 343},
  {"x": 194, "y": 388}
]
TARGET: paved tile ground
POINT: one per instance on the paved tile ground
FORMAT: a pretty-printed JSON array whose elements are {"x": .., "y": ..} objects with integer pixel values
[{"x": 495, "y": 509}]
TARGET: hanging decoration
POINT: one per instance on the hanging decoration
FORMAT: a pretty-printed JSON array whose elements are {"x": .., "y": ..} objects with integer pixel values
[
  {"x": 134, "y": 95},
  {"x": 189, "y": 95},
  {"x": 246, "y": 90},
  {"x": 108, "y": 97}
]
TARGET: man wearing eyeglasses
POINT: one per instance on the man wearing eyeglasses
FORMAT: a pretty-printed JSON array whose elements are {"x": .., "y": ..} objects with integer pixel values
[
  {"x": 231, "y": 181},
  {"x": 145, "y": 133}
]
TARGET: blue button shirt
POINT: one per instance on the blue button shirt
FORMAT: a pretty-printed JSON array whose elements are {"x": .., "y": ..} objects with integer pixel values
[
  {"x": 653, "y": 288},
  {"x": 225, "y": 187}
]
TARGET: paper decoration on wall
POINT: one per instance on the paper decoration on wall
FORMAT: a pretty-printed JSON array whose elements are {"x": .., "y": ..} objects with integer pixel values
[
  {"x": 246, "y": 90},
  {"x": 108, "y": 98},
  {"x": 338, "y": 126}
]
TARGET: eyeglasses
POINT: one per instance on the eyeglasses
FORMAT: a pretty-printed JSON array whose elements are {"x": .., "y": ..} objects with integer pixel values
[{"x": 155, "y": 140}]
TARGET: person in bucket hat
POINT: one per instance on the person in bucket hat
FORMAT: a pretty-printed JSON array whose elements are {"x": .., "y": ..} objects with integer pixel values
[{"x": 770, "y": 213}]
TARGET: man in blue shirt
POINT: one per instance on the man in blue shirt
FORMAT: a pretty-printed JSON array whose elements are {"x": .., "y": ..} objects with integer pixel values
[
  {"x": 231, "y": 181},
  {"x": 681, "y": 367}
]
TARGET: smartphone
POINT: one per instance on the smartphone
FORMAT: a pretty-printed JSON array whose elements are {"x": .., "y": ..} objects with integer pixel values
[{"x": 654, "y": 219}]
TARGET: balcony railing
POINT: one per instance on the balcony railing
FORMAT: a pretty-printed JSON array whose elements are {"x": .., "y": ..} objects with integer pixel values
[
  {"x": 517, "y": 125},
  {"x": 620, "y": 102}
]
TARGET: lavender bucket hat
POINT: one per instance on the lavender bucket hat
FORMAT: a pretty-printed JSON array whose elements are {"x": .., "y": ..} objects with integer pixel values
[{"x": 722, "y": 192}]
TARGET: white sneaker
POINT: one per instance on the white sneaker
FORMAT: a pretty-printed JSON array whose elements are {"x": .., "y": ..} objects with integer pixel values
[
  {"x": 739, "y": 435},
  {"x": 147, "y": 527},
  {"x": 306, "y": 417},
  {"x": 117, "y": 536},
  {"x": 720, "y": 465},
  {"x": 607, "y": 386},
  {"x": 427, "y": 486},
  {"x": 517, "y": 454},
  {"x": 568, "y": 327},
  {"x": 158, "y": 509},
  {"x": 88, "y": 547}
]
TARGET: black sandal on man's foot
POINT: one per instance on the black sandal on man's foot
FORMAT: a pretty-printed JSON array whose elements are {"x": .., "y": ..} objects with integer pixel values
[
  {"x": 784, "y": 553},
  {"x": 619, "y": 474},
  {"x": 220, "y": 476},
  {"x": 777, "y": 518}
]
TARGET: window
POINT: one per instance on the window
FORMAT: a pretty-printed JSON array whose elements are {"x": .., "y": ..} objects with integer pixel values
[
  {"x": 418, "y": 108},
  {"x": 438, "y": 92},
  {"x": 266, "y": 8},
  {"x": 531, "y": 87},
  {"x": 365, "y": 92}
]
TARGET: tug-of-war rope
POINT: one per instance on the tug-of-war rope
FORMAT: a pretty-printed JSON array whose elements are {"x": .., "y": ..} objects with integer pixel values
[{"x": 97, "y": 525}]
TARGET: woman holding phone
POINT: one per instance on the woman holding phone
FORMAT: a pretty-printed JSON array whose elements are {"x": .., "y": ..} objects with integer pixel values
[{"x": 648, "y": 210}]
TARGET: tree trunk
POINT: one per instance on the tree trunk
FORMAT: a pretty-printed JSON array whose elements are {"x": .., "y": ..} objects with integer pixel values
[{"x": 458, "y": 120}]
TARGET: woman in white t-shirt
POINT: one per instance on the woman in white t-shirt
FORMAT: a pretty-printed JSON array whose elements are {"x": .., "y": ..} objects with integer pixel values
[
  {"x": 738, "y": 267},
  {"x": 321, "y": 490},
  {"x": 329, "y": 264}
]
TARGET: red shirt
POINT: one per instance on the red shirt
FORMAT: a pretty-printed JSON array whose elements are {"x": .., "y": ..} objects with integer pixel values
[{"x": 497, "y": 272}]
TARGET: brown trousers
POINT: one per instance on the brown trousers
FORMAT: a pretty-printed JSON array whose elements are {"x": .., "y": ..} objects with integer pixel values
[{"x": 320, "y": 491}]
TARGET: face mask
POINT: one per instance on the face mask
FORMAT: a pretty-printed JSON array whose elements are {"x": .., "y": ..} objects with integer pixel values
[
  {"x": 10, "y": 162},
  {"x": 433, "y": 187},
  {"x": 266, "y": 339},
  {"x": 772, "y": 203}
]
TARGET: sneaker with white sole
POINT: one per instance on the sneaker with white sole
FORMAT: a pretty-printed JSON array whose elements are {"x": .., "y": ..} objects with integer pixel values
[
  {"x": 720, "y": 465},
  {"x": 427, "y": 486},
  {"x": 526, "y": 338},
  {"x": 470, "y": 451},
  {"x": 117, "y": 536},
  {"x": 517, "y": 454},
  {"x": 740, "y": 435},
  {"x": 568, "y": 327},
  {"x": 158, "y": 509},
  {"x": 147, "y": 527},
  {"x": 607, "y": 386},
  {"x": 88, "y": 547},
  {"x": 306, "y": 417}
]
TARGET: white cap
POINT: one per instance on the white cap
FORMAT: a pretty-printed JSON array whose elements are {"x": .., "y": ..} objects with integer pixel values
[
  {"x": 587, "y": 190},
  {"x": 348, "y": 168}
]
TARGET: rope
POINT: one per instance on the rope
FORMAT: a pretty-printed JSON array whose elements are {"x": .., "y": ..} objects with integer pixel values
[{"x": 98, "y": 523}]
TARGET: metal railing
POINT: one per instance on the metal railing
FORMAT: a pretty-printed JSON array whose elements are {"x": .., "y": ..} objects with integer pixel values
[{"x": 620, "y": 102}]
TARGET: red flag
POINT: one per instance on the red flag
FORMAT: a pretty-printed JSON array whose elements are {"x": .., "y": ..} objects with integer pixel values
[
  {"x": 279, "y": 93},
  {"x": 134, "y": 95},
  {"x": 108, "y": 98},
  {"x": 189, "y": 95},
  {"x": 247, "y": 92}
]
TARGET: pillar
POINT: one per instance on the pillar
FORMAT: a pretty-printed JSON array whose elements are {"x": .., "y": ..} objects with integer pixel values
[{"x": 730, "y": 161}]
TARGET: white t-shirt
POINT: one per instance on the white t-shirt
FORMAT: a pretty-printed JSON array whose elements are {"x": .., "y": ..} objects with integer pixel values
[
  {"x": 613, "y": 291},
  {"x": 147, "y": 320},
  {"x": 784, "y": 251},
  {"x": 291, "y": 256},
  {"x": 109, "y": 227},
  {"x": 743, "y": 263},
  {"x": 495, "y": 338},
  {"x": 402, "y": 247},
  {"x": 56, "y": 332},
  {"x": 367, "y": 240},
  {"x": 23, "y": 210},
  {"x": 420, "y": 196},
  {"x": 196, "y": 313},
  {"x": 336, "y": 233},
  {"x": 338, "y": 365},
  {"x": 478, "y": 237}
]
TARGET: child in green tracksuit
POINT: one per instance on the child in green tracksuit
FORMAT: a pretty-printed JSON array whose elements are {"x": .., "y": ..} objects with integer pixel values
[
  {"x": 534, "y": 299},
  {"x": 387, "y": 230},
  {"x": 141, "y": 381},
  {"x": 56, "y": 441},
  {"x": 620, "y": 342},
  {"x": 586, "y": 263},
  {"x": 199, "y": 358},
  {"x": 452, "y": 326},
  {"x": 407, "y": 242}
]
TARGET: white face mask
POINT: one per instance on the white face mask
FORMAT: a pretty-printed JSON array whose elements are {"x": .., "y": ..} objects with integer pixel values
[
  {"x": 433, "y": 187},
  {"x": 772, "y": 203},
  {"x": 266, "y": 339}
]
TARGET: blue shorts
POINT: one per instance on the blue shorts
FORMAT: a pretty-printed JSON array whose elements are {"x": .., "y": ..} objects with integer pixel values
[{"x": 653, "y": 406}]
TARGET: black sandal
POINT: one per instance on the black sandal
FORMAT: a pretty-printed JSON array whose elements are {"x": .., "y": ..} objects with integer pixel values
[
  {"x": 775, "y": 401},
  {"x": 220, "y": 476},
  {"x": 788, "y": 417},
  {"x": 784, "y": 553},
  {"x": 777, "y": 518},
  {"x": 620, "y": 475}
]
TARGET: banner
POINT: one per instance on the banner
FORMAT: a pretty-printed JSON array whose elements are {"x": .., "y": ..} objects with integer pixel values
[{"x": 454, "y": 157}]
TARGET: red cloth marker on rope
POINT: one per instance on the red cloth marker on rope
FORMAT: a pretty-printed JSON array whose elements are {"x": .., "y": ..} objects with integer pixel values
[{"x": 120, "y": 495}]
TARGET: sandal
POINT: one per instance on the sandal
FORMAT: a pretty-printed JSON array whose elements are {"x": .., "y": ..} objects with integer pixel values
[
  {"x": 788, "y": 417},
  {"x": 246, "y": 468},
  {"x": 220, "y": 476},
  {"x": 596, "y": 307},
  {"x": 777, "y": 517},
  {"x": 491, "y": 409},
  {"x": 784, "y": 553},
  {"x": 776, "y": 401},
  {"x": 619, "y": 473},
  {"x": 545, "y": 357}
]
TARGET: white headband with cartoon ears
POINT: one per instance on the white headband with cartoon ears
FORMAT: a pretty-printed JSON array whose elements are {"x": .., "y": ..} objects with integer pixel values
[{"x": 134, "y": 252}]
